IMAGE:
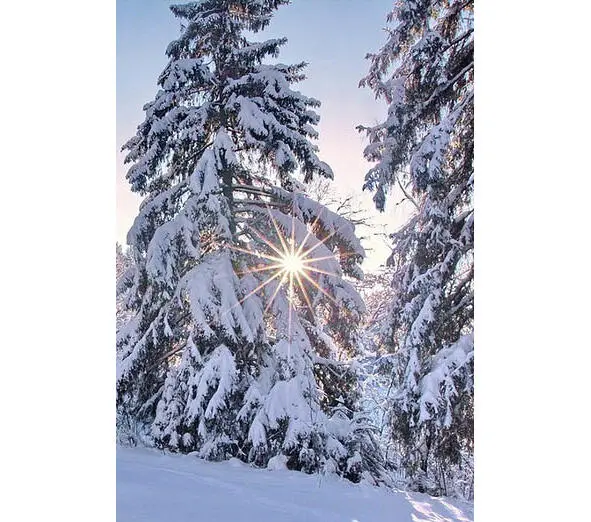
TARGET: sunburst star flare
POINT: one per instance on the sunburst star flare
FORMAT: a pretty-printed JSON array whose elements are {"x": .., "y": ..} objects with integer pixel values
[{"x": 291, "y": 266}]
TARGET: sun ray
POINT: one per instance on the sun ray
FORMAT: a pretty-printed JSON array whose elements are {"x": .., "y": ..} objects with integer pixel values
[
  {"x": 261, "y": 286},
  {"x": 319, "y": 287},
  {"x": 266, "y": 241},
  {"x": 305, "y": 293},
  {"x": 260, "y": 269},
  {"x": 314, "y": 259},
  {"x": 309, "y": 233},
  {"x": 319, "y": 271},
  {"x": 290, "y": 307},
  {"x": 279, "y": 233},
  {"x": 292, "y": 232},
  {"x": 258, "y": 254},
  {"x": 276, "y": 292},
  {"x": 321, "y": 242}
]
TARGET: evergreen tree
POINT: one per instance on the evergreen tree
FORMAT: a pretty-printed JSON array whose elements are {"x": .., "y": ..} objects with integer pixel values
[
  {"x": 425, "y": 146},
  {"x": 235, "y": 347},
  {"x": 123, "y": 273}
]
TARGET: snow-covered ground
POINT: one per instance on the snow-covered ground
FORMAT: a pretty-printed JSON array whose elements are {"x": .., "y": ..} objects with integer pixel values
[{"x": 154, "y": 487}]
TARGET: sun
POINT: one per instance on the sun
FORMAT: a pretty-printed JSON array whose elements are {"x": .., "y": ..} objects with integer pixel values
[
  {"x": 288, "y": 264},
  {"x": 293, "y": 264}
]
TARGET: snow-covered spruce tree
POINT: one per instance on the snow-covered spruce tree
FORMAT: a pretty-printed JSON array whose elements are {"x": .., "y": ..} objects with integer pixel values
[
  {"x": 229, "y": 352},
  {"x": 425, "y": 146}
]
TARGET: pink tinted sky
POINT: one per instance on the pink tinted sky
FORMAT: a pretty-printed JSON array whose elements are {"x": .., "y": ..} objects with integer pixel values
[{"x": 333, "y": 36}]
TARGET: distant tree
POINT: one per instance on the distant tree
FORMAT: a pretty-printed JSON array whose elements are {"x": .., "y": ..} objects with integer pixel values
[
  {"x": 347, "y": 205},
  {"x": 425, "y": 73},
  {"x": 239, "y": 341},
  {"x": 123, "y": 273}
]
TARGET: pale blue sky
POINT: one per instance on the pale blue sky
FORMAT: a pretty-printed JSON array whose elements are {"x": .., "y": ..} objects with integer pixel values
[{"x": 333, "y": 36}]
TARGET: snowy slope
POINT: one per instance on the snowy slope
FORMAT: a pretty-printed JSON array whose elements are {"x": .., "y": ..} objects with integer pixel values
[{"x": 153, "y": 487}]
